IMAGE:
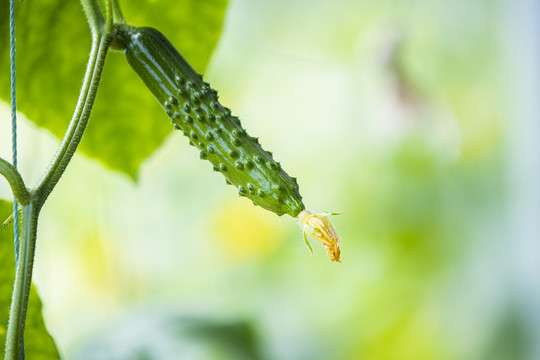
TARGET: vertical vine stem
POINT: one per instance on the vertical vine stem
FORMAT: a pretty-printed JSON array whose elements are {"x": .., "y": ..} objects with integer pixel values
[
  {"x": 23, "y": 281},
  {"x": 30, "y": 213},
  {"x": 101, "y": 39}
]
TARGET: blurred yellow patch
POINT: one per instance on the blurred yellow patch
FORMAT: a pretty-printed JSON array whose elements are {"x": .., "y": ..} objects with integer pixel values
[
  {"x": 414, "y": 335},
  {"x": 98, "y": 264},
  {"x": 94, "y": 262},
  {"x": 2, "y": 330},
  {"x": 245, "y": 231}
]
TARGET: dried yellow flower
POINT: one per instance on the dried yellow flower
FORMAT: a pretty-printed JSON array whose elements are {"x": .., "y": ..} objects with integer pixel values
[{"x": 318, "y": 227}]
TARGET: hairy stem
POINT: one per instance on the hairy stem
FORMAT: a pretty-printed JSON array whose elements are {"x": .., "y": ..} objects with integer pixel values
[
  {"x": 110, "y": 15},
  {"x": 46, "y": 181},
  {"x": 94, "y": 15},
  {"x": 118, "y": 17},
  {"x": 32, "y": 203},
  {"x": 79, "y": 121},
  {"x": 23, "y": 281},
  {"x": 20, "y": 193}
]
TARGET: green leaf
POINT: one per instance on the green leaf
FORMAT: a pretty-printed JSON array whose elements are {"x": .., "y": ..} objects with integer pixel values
[
  {"x": 39, "y": 344},
  {"x": 53, "y": 42}
]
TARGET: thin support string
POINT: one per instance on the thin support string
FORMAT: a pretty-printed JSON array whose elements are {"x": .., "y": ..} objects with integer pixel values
[
  {"x": 13, "y": 118},
  {"x": 14, "y": 127}
]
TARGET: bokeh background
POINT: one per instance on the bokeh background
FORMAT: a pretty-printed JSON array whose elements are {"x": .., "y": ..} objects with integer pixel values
[{"x": 417, "y": 119}]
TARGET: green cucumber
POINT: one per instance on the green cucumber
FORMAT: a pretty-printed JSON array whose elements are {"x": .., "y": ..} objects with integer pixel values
[{"x": 194, "y": 109}]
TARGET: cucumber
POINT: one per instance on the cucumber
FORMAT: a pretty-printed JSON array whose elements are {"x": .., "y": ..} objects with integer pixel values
[{"x": 194, "y": 109}]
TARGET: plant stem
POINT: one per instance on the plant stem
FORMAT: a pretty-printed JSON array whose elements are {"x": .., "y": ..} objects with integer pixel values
[
  {"x": 23, "y": 281},
  {"x": 79, "y": 121},
  {"x": 118, "y": 17},
  {"x": 46, "y": 183},
  {"x": 15, "y": 181},
  {"x": 94, "y": 16},
  {"x": 101, "y": 38},
  {"x": 110, "y": 15}
]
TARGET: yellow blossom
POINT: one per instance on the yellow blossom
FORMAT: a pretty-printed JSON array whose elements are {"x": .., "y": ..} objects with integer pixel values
[{"x": 318, "y": 227}]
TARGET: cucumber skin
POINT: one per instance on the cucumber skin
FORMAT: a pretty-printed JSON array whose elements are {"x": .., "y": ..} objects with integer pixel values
[{"x": 194, "y": 108}]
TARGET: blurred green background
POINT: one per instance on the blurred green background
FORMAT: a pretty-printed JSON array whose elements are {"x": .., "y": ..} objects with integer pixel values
[{"x": 401, "y": 114}]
